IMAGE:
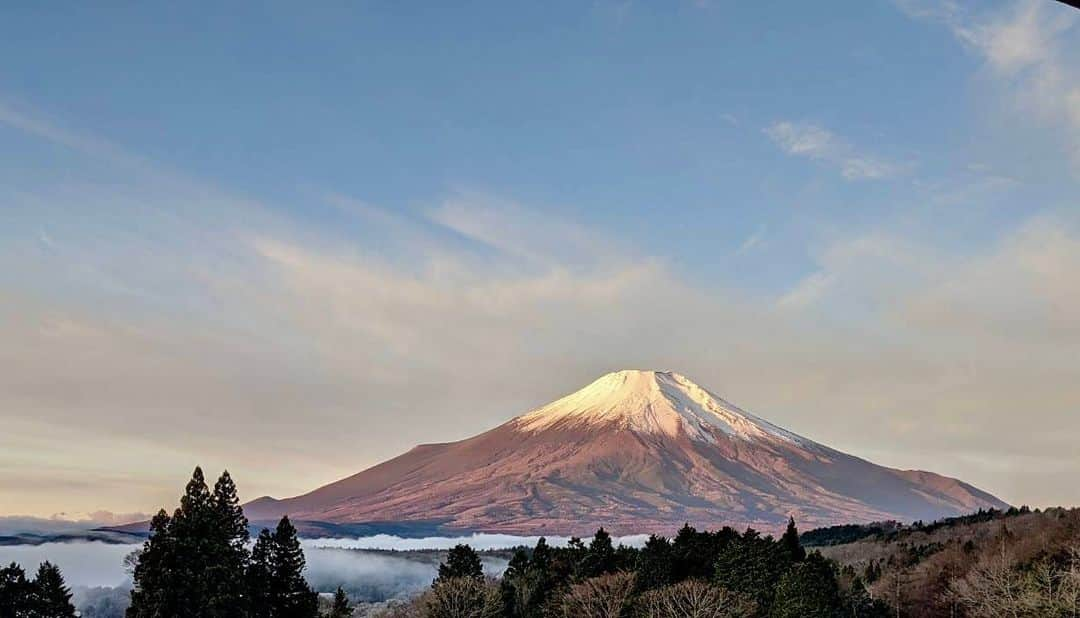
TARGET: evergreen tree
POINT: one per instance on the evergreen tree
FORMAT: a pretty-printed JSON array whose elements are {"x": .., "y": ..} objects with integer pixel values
[
  {"x": 514, "y": 584},
  {"x": 229, "y": 539},
  {"x": 461, "y": 561},
  {"x": 290, "y": 595},
  {"x": 807, "y": 590},
  {"x": 341, "y": 607},
  {"x": 790, "y": 541},
  {"x": 257, "y": 577},
  {"x": 600, "y": 558},
  {"x": 51, "y": 597},
  {"x": 15, "y": 592},
  {"x": 150, "y": 594},
  {"x": 752, "y": 565},
  {"x": 694, "y": 553},
  {"x": 540, "y": 560},
  {"x": 654, "y": 564},
  {"x": 191, "y": 575}
]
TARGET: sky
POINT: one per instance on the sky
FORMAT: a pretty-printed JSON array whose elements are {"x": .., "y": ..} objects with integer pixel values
[{"x": 294, "y": 241}]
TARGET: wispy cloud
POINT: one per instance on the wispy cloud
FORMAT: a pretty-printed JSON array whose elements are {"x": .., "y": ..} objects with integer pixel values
[
  {"x": 817, "y": 143},
  {"x": 1029, "y": 46},
  {"x": 752, "y": 241},
  {"x": 262, "y": 328}
]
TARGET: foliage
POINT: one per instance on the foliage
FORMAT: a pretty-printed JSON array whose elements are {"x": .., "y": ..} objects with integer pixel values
[
  {"x": 340, "y": 607},
  {"x": 45, "y": 596},
  {"x": 196, "y": 562},
  {"x": 461, "y": 562}
]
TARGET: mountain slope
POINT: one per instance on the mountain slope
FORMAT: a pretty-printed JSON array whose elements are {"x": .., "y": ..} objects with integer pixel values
[{"x": 633, "y": 451}]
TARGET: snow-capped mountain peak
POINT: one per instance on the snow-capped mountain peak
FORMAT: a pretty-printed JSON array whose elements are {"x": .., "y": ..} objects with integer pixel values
[
  {"x": 634, "y": 451},
  {"x": 654, "y": 402}
]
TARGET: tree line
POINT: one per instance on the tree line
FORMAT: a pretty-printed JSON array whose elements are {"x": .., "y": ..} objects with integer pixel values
[
  {"x": 196, "y": 562},
  {"x": 44, "y": 596},
  {"x": 200, "y": 562},
  {"x": 717, "y": 574}
]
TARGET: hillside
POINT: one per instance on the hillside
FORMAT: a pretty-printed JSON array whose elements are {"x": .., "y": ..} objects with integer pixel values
[{"x": 632, "y": 451}]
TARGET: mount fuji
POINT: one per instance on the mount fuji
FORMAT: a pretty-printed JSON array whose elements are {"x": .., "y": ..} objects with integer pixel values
[{"x": 635, "y": 451}]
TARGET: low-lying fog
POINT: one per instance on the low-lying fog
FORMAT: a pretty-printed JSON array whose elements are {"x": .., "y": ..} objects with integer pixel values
[{"x": 371, "y": 568}]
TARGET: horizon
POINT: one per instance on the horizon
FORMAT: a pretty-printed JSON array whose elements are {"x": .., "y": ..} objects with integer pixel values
[{"x": 296, "y": 242}]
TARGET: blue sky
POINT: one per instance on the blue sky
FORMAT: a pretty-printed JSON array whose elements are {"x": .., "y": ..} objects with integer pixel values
[{"x": 409, "y": 223}]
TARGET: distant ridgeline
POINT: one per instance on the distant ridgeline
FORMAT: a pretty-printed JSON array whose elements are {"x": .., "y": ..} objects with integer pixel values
[
  {"x": 199, "y": 561},
  {"x": 888, "y": 530}
]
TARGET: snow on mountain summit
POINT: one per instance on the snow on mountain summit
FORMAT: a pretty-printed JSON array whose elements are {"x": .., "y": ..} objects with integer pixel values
[
  {"x": 634, "y": 451},
  {"x": 654, "y": 402}
]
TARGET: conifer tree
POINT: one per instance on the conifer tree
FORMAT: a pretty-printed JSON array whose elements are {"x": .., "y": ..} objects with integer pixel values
[
  {"x": 290, "y": 595},
  {"x": 461, "y": 561},
  {"x": 807, "y": 590},
  {"x": 193, "y": 529},
  {"x": 654, "y": 564},
  {"x": 51, "y": 597},
  {"x": 257, "y": 582},
  {"x": 514, "y": 584},
  {"x": 340, "y": 607},
  {"x": 150, "y": 595},
  {"x": 540, "y": 560},
  {"x": 791, "y": 543},
  {"x": 225, "y": 597},
  {"x": 15, "y": 592},
  {"x": 600, "y": 558}
]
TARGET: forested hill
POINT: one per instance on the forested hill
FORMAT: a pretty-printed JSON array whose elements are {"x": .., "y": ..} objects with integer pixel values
[{"x": 991, "y": 563}]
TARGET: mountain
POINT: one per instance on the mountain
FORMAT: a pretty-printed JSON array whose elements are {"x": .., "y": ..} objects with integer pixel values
[{"x": 635, "y": 451}]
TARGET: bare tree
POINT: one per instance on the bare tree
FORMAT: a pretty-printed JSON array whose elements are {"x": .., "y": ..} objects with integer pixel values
[
  {"x": 994, "y": 589},
  {"x": 695, "y": 599},
  {"x": 607, "y": 596},
  {"x": 460, "y": 597}
]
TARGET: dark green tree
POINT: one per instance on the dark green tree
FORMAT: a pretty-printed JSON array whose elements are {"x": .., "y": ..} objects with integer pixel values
[
  {"x": 340, "y": 607},
  {"x": 196, "y": 546},
  {"x": 257, "y": 577},
  {"x": 791, "y": 543},
  {"x": 225, "y": 597},
  {"x": 751, "y": 565},
  {"x": 600, "y": 558},
  {"x": 538, "y": 582},
  {"x": 654, "y": 564},
  {"x": 807, "y": 590},
  {"x": 51, "y": 597},
  {"x": 15, "y": 592},
  {"x": 290, "y": 595},
  {"x": 151, "y": 595},
  {"x": 514, "y": 583},
  {"x": 461, "y": 561}
]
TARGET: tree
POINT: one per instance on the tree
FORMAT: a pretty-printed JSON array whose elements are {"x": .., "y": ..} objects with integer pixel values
[
  {"x": 607, "y": 596},
  {"x": 225, "y": 598},
  {"x": 695, "y": 599},
  {"x": 51, "y": 598},
  {"x": 340, "y": 607},
  {"x": 15, "y": 592},
  {"x": 654, "y": 568},
  {"x": 290, "y": 595},
  {"x": 600, "y": 557},
  {"x": 257, "y": 577},
  {"x": 461, "y": 561},
  {"x": 150, "y": 595},
  {"x": 752, "y": 565},
  {"x": 461, "y": 597},
  {"x": 807, "y": 590},
  {"x": 790, "y": 541},
  {"x": 190, "y": 575}
]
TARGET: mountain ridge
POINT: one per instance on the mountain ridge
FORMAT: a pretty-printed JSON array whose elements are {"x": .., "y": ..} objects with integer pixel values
[{"x": 633, "y": 451}]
